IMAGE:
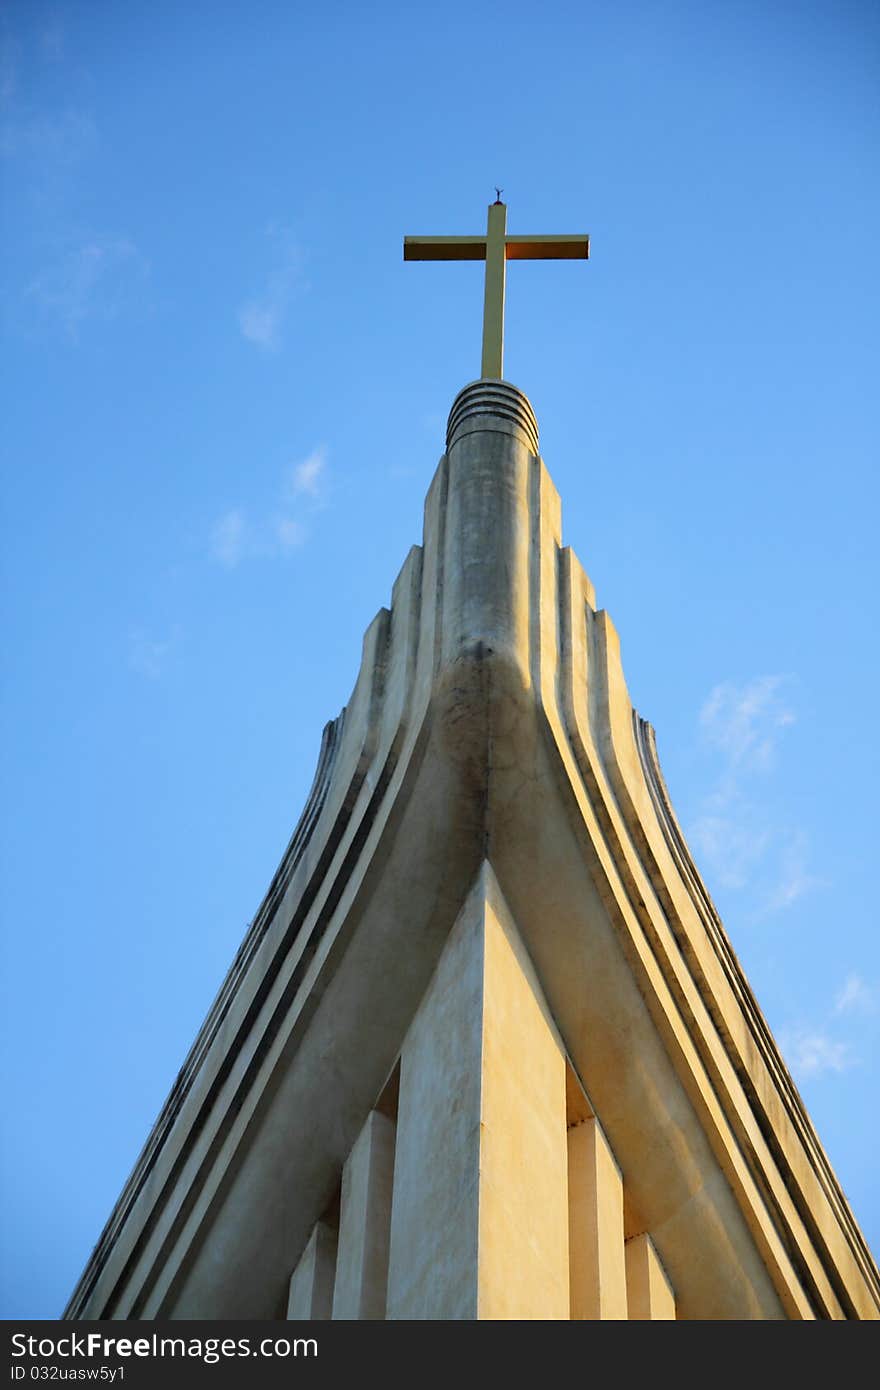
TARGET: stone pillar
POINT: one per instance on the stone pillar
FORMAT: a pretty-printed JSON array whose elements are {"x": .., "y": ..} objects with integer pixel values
[
  {"x": 479, "y": 1222},
  {"x": 311, "y": 1284},
  {"x": 648, "y": 1291},
  {"x": 364, "y": 1221},
  {"x": 598, "y": 1270}
]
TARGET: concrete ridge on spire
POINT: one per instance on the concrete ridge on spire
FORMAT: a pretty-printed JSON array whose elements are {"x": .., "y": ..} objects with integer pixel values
[{"x": 499, "y": 400}]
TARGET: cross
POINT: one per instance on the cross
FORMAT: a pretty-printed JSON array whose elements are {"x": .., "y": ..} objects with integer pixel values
[{"x": 496, "y": 248}]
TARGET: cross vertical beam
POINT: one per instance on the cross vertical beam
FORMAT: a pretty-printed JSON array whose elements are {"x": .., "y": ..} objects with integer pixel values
[{"x": 493, "y": 297}]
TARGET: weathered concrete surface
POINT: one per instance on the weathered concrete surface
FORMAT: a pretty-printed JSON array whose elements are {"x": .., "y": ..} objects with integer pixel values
[
  {"x": 435, "y": 1211},
  {"x": 490, "y": 722},
  {"x": 649, "y": 1295},
  {"x": 523, "y": 1253},
  {"x": 480, "y": 1221},
  {"x": 311, "y": 1284},
  {"x": 598, "y": 1270},
  {"x": 365, "y": 1223}
]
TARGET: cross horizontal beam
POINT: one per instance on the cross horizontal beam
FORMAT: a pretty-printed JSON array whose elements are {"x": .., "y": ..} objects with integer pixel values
[
  {"x": 547, "y": 248},
  {"x": 516, "y": 248}
]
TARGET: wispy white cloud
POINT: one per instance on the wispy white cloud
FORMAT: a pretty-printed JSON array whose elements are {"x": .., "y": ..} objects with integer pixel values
[
  {"x": 743, "y": 722},
  {"x": 262, "y": 316},
  {"x": 49, "y": 141},
  {"x": 96, "y": 279},
  {"x": 793, "y": 878},
  {"x": 290, "y": 533},
  {"x": 17, "y": 49},
  {"x": 734, "y": 833},
  {"x": 147, "y": 655},
  {"x": 52, "y": 37},
  {"x": 46, "y": 136},
  {"x": 305, "y": 478},
  {"x": 260, "y": 323},
  {"x": 68, "y": 274},
  {"x": 813, "y": 1053},
  {"x": 731, "y": 846},
  {"x": 839, "y": 1039},
  {"x": 855, "y": 996},
  {"x": 235, "y": 536},
  {"x": 229, "y": 538}
]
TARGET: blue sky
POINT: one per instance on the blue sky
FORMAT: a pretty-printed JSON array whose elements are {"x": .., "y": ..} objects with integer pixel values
[{"x": 225, "y": 396}]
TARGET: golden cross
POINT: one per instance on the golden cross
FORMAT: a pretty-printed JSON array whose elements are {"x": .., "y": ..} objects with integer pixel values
[{"x": 496, "y": 248}]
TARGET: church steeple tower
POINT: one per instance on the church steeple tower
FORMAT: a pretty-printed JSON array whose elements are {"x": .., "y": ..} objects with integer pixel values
[{"x": 486, "y": 1051}]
